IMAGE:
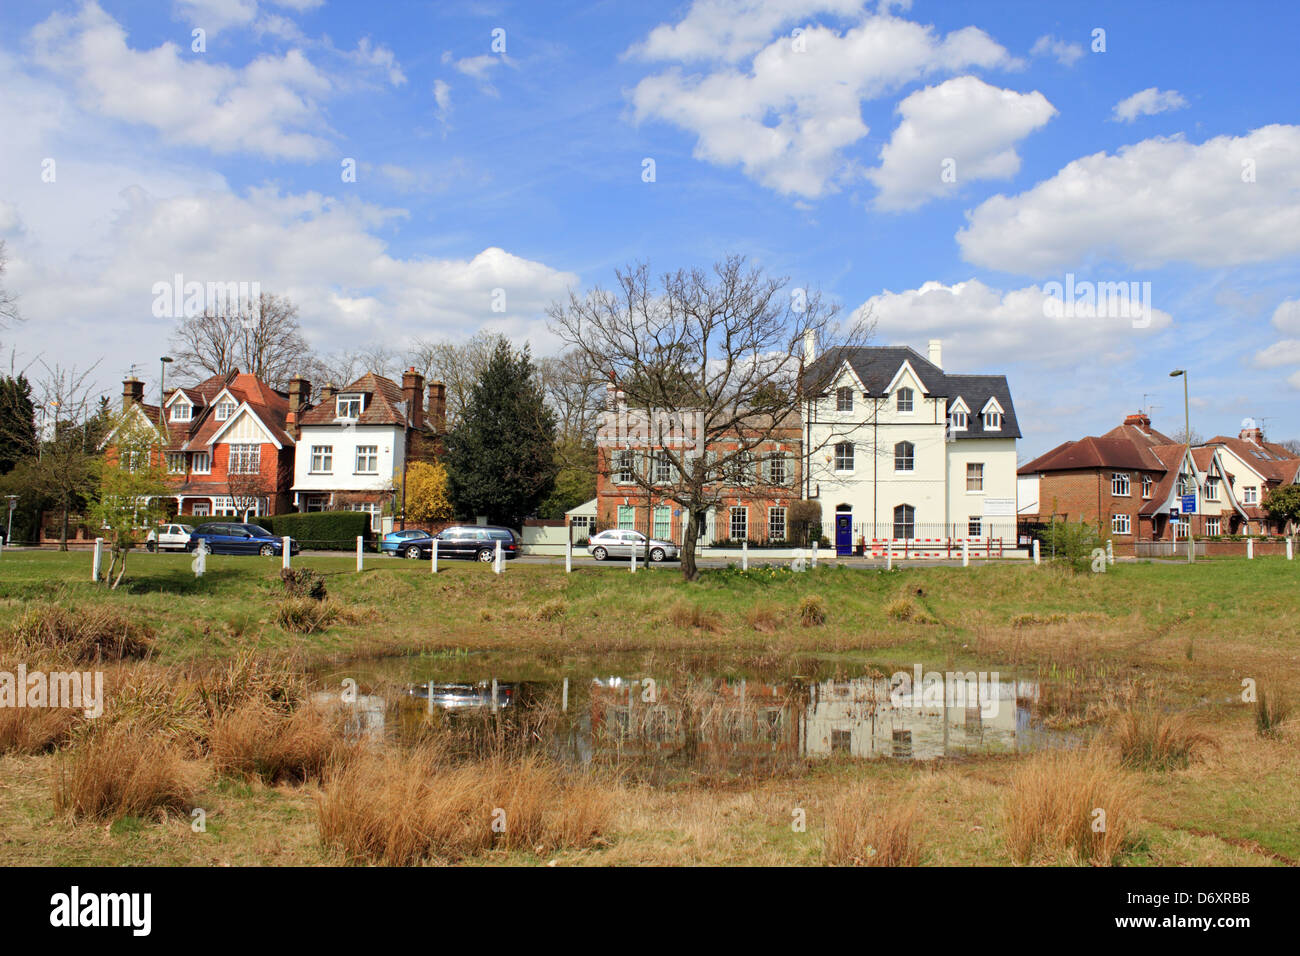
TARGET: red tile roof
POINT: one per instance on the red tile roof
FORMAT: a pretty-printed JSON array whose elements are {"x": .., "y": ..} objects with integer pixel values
[{"x": 384, "y": 404}]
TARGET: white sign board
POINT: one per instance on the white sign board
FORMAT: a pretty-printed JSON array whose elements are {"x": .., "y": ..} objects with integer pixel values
[{"x": 999, "y": 507}]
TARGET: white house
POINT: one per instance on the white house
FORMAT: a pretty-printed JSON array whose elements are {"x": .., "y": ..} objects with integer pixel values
[
  {"x": 898, "y": 448},
  {"x": 355, "y": 440}
]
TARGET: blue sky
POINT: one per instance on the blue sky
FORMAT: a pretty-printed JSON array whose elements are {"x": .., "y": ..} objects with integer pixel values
[{"x": 1171, "y": 158}]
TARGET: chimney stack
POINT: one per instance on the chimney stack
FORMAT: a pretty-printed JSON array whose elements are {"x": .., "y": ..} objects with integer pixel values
[
  {"x": 1140, "y": 421},
  {"x": 299, "y": 393},
  {"x": 132, "y": 392},
  {"x": 328, "y": 391},
  {"x": 809, "y": 346},
  {"x": 413, "y": 395},
  {"x": 1252, "y": 433},
  {"x": 438, "y": 407},
  {"x": 936, "y": 353}
]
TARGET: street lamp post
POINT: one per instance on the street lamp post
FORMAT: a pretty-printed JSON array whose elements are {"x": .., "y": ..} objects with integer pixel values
[
  {"x": 163, "y": 362},
  {"x": 1187, "y": 453}
]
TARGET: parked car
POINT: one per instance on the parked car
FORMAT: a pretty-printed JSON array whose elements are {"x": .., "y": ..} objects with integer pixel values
[
  {"x": 238, "y": 538},
  {"x": 460, "y": 697},
  {"x": 395, "y": 542},
  {"x": 168, "y": 537},
  {"x": 621, "y": 544},
  {"x": 465, "y": 541}
]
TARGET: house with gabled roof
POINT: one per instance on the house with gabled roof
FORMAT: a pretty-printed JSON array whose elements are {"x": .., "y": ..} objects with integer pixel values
[
  {"x": 354, "y": 440},
  {"x": 1255, "y": 467},
  {"x": 898, "y": 447}
]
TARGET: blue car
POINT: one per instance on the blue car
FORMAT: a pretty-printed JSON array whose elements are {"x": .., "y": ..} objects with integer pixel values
[
  {"x": 406, "y": 543},
  {"x": 238, "y": 538}
]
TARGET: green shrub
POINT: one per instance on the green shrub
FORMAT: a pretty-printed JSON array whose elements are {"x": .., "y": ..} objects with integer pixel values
[
  {"x": 320, "y": 530},
  {"x": 1071, "y": 542}
]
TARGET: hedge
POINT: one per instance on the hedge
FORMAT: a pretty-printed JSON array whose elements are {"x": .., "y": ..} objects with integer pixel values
[{"x": 320, "y": 530}]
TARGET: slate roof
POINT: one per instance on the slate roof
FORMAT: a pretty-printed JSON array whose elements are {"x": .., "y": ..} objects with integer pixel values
[{"x": 876, "y": 366}]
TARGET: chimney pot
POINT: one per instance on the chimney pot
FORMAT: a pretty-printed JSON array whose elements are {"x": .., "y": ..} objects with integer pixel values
[
  {"x": 132, "y": 392},
  {"x": 413, "y": 393},
  {"x": 936, "y": 353}
]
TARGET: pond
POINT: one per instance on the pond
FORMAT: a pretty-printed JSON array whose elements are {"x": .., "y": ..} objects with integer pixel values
[{"x": 661, "y": 720}]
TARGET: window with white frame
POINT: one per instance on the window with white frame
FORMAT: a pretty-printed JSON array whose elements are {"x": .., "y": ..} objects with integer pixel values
[
  {"x": 663, "y": 470},
  {"x": 1121, "y": 524},
  {"x": 322, "y": 459},
  {"x": 1213, "y": 526},
  {"x": 905, "y": 522},
  {"x": 627, "y": 517},
  {"x": 245, "y": 459},
  {"x": 1250, "y": 495},
  {"x": 176, "y": 463},
  {"x": 202, "y": 509},
  {"x": 844, "y": 399},
  {"x": 621, "y": 466},
  {"x": 367, "y": 459},
  {"x": 992, "y": 420},
  {"x": 224, "y": 410},
  {"x": 1119, "y": 485},
  {"x": 776, "y": 470},
  {"x": 1182, "y": 527},
  {"x": 182, "y": 412},
  {"x": 663, "y": 522},
  {"x": 776, "y": 523},
  {"x": 1186, "y": 484},
  {"x": 1212, "y": 488},
  {"x": 348, "y": 406},
  {"x": 975, "y": 526},
  {"x": 1147, "y": 485},
  {"x": 374, "y": 509},
  {"x": 904, "y": 456},
  {"x": 975, "y": 476},
  {"x": 844, "y": 456},
  {"x": 957, "y": 420},
  {"x": 739, "y": 523},
  {"x": 904, "y": 399}
]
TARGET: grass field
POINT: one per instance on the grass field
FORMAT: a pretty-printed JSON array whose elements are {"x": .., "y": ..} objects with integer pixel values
[{"x": 1182, "y": 636}]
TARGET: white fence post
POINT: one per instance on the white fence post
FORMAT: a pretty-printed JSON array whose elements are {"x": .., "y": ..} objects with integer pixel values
[
  {"x": 98, "y": 561},
  {"x": 497, "y": 568},
  {"x": 430, "y": 698},
  {"x": 286, "y": 552},
  {"x": 814, "y": 555},
  {"x": 568, "y": 556},
  {"x": 965, "y": 552},
  {"x": 744, "y": 555},
  {"x": 1110, "y": 551},
  {"x": 633, "y": 565},
  {"x": 433, "y": 558},
  {"x": 1288, "y": 550},
  {"x": 360, "y": 559},
  {"x": 1250, "y": 549},
  {"x": 564, "y": 697},
  {"x": 1037, "y": 558}
]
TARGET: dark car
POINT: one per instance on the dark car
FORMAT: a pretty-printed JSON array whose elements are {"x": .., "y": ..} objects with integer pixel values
[
  {"x": 238, "y": 538},
  {"x": 465, "y": 541}
]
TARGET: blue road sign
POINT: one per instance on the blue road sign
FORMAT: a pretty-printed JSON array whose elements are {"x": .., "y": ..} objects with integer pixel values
[{"x": 1188, "y": 505}]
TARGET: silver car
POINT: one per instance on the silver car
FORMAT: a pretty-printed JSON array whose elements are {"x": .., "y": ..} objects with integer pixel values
[{"x": 621, "y": 544}]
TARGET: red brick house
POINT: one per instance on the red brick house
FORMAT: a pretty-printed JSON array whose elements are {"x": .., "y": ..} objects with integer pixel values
[
  {"x": 226, "y": 445},
  {"x": 1131, "y": 482},
  {"x": 753, "y": 505}
]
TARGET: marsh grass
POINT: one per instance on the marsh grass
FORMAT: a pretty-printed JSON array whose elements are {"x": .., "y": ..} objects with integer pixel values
[
  {"x": 118, "y": 770},
  {"x": 812, "y": 610},
  {"x": 34, "y": 730},
  {"x": 257, "y": 740},
  {"x": 1270, "y": 714},
  {"x": 308, "y": 615},
  {"x": 1148, "y": 738},
  {"x": 88, "y": 633},
  {"x": 689, "y": 615},
  {"x": 860, "y": 833}
]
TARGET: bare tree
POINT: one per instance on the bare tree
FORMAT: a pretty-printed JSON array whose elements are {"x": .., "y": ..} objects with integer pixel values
[
  {"x": 714, "y": 363},
  {"x": 1292, "y": 445},
  {"x": 457, "y": 365},
  {"x": 348, "y": 365},
  {"x": 264, "y": 338},
  {"x": 66, "y": 460},
  {"x": 8, "y": 304},
  {"x": 575, "y": 393}
]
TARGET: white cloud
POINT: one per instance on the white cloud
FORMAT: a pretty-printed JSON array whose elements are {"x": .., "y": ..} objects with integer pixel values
[
  {"x": 267, "y": 107},
  {"x": 1148, "y": 102},
  {"x": 787, "y": 118},
  {"x": 214, "y": 16},
  {"x": 478, "y": 68},
  {"x": 964, "y": 120},
  {"x": 1157, "y": 201},
  {"x": 1067, "y": 54},
  {"x": 378, "y": 57},
  {"x": 1284, "y": 352},
  {"x": 982, "y": 327},
  {"x": 442, "y": 97},
  {"x": 732, "y": 30}
]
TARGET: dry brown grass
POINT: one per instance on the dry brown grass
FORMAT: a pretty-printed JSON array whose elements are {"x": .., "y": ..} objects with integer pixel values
[
  {"x": 858, "y": 835},
  {"x": 305, "y": 615},
  {"x": 34, "y": 730},
  {"x": 1073, "y": 806},
  {"x": 1149, "y": 739},
  {"x": 400, "y": 808},
  {"x": 120, "y": 770},
  {"x": 764, "y": 618},
  {"x": 87, "y": 634},
  {"x": 684, "y": 614},
  {"x": 812, "y": 610},
  {"x": 257, "y": 740}
]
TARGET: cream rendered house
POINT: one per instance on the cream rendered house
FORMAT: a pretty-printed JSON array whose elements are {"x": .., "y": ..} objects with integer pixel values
[{"x": 897, "y": 448}]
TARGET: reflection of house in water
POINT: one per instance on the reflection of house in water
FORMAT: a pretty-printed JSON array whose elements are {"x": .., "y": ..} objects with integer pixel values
[{"x": 859, "y": 718}]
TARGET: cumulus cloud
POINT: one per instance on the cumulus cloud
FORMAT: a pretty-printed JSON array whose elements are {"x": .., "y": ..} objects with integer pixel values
[
  {"x": 1148, "y": 102},
  {"x": 1286, "y": 351},
  {"x": 788, "y": 117},
  {"x": 217, "y": 15},
  {"x": 957, "y": 132},
  {"x": 983, "y": 327},
  {"x": 1228, "y": 201},
  {"x": 732, "y": 30},
  {"x": 1067, "y": 54}
]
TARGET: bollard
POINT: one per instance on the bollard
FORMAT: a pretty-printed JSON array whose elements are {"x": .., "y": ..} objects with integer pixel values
[
  {"x": 1288, "y": 549},
  {"x": 1110, "y": 551},
  {"x": 814, "y": 556},
  {"x": 1250, "y": 549},
  {"x": 286, "y": 552},
  {"x": 744, "y": 555},
  {"x": 568, "y": 556},
  {"x": 98, "y": 561},
  {"x": 494, "y": 695},
  {"x": 633, "y": 566},
  {"x": 965, "y": 553},
  {"x": 359, "y": 557},
  {"x": 431, "y": 698},
  {"x": 1037, "y": 559},
  {"x": 497, "y": 567},
  {"x": 564, "y": 697},
  {"x": 433, "y": 557}
]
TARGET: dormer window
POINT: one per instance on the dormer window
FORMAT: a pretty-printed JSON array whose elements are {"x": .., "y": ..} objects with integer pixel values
[
  {"x": 992, "y": 421},
  {"x": 224, "y": 410},
  {"x": 844, "y": 399},
  {"x": 904, "y": 399},
  {"x": 182, "y": 412},
  {"x": 348, "y": 406},
  {"x": 958, "y": 420}
]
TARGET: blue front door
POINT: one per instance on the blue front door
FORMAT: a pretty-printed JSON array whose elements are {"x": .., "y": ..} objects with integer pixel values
[{"x": 843, "y": 534}]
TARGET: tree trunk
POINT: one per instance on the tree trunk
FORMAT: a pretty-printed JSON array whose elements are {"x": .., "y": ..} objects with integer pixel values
[
  {"x": 118, "y": 579},
  {"x": 689, "y": 571}
]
